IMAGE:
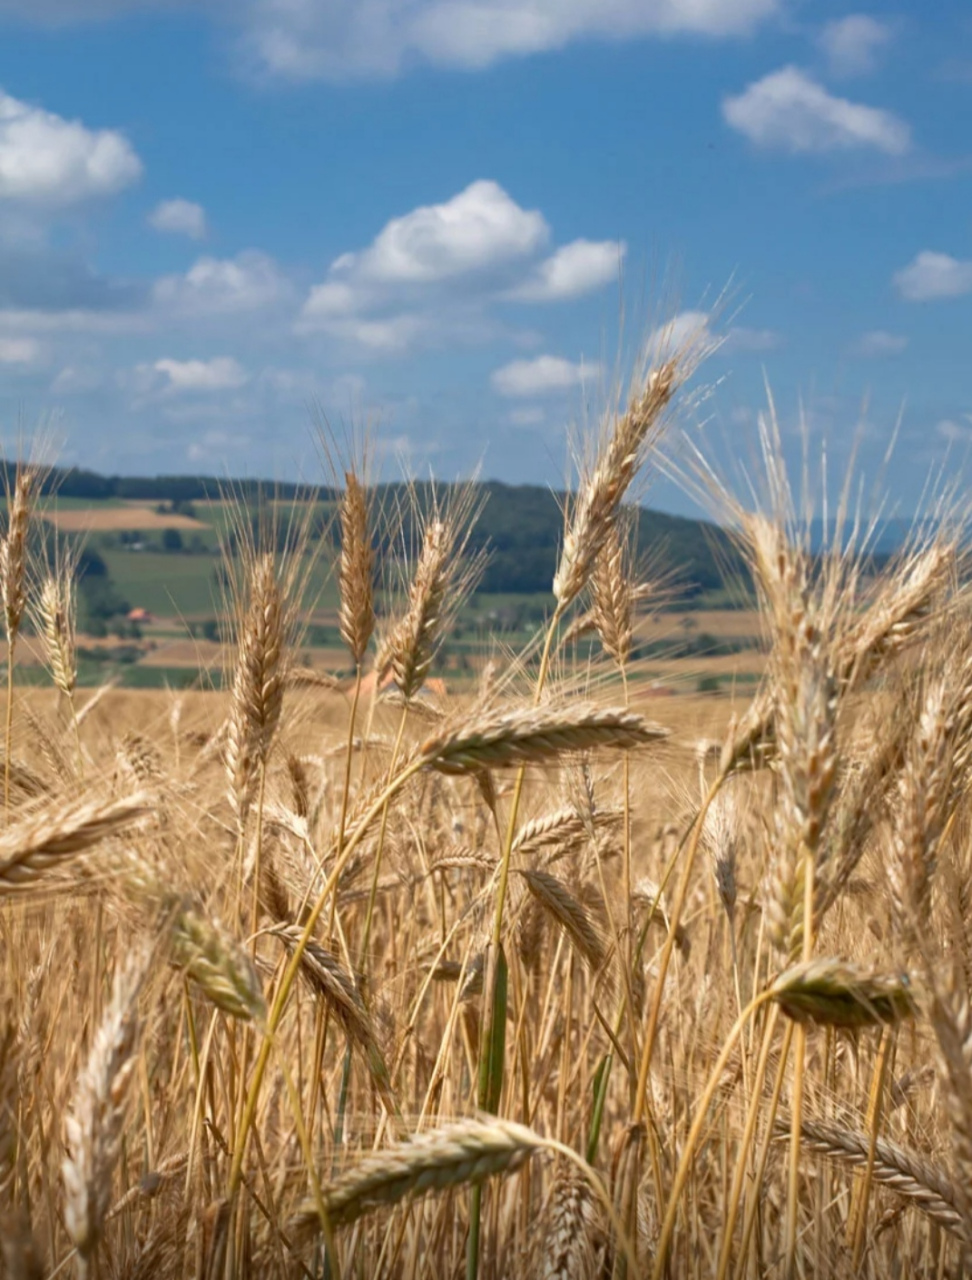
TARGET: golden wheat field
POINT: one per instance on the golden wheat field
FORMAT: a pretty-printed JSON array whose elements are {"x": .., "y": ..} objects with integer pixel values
[{"x": 547, "y": 979}]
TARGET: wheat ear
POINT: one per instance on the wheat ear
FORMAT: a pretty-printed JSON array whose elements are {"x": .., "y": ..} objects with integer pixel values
[
  {"x": 48, "y": 837},
  {"x": 534, "y": 735},
  {"x": 356, "y": 614},
  {"x": 462, "y": 1154},
  {"x": 634, "y": 433},
  {"x": 93, "y": 1127},
  {"x": 258, "y": 685},
  {"x": 926, "y": 1185}
]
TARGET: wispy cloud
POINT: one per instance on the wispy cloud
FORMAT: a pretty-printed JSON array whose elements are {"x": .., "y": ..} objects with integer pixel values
[
  {"x": 308, "y": 39},
  {"x": 787, "y": 110},
  {"x": 879, "y": 342},
  {"x": 542, "y": 376},
  {"x": 853, "y": 44},
  {"x": 249, "y": 282},
  {"x": 179, "y": 217}
]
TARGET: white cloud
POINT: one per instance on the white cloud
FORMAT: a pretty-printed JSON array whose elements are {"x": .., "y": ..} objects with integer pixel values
[
  {"x": 19, "y": 351},
  {"x": 248, "y": 282},
  {"x": 541, "y": 376},
  {"x": 47, "y": 160},
  {"x": 179, "y": 217},
  {"x": 478, "y": 229},
  {"x": 305, "y": 39},
  {"x": 934, "y": 275},
  {"x": 222, "y": 373},
  {"x": 433, "y": 273},
  {"x": 575, "y": 269},
  {"x": 789, "y": 111},
  {"x": 878, "y": 342},
  {"x": 852, "y": 44}
]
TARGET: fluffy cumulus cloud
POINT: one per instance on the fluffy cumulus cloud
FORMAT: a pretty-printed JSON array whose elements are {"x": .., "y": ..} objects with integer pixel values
[
  {"x": 544, "y": 375},
  {"x": 306, "y": 39},
  {"x": 179, "y": 217},
  {"x": 853, "y": 44},
  {"x": 47, "y": 160},
  {"x": 789, "y": 111},
  {"x": 477, "y": 230},
  {"x": 249, "y": 282},
  {"x": 437, "y": 270},
  {"x": 879, "y": 342},
  {"x": 575, "y": 269},
  {"x": 221, "y": 373},
  {"x": 934, "y": 275}
]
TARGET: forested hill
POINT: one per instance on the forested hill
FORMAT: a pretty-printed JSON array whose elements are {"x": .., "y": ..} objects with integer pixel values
[{"x": 521, "y": 524}]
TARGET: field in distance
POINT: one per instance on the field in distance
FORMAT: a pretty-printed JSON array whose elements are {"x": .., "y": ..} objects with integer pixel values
[{"x": 160, "y": 567}]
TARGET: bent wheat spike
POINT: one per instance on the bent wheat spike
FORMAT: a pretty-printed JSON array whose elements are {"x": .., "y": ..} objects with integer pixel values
[
  {"x": 925, "y": 1185},
  {"x": 460, "y": 1155},
  {"x": 836, "y": 994},
  {"x": 535, "y": 736},
  {"x": 49, "y": 837}
]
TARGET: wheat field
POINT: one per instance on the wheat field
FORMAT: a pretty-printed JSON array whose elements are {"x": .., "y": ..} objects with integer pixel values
[{"x": 541, "y": 979}]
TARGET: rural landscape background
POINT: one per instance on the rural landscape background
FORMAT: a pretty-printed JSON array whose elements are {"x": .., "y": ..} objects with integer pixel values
[
  {"x": 370, "y": 909},
  {"x": 537, "y": 844}
]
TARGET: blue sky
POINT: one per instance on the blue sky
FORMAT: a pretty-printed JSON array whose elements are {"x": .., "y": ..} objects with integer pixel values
[{"x": 429, "y": 214}]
